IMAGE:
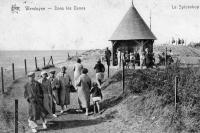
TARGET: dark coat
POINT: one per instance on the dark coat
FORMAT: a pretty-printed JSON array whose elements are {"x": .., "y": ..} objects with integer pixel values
[
  {"x": 64, "y": 92},
  {"x": 34, "y": 95},
  {"x": 99, "y": 67},
  {"x": 55, "y": 85},
  {"x": 47, "y": 94},
  {"x": 96, "y": 92}
]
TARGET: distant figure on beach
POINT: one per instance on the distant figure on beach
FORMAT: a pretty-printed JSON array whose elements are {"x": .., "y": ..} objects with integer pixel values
[
  {"x": 84, "y": 86},
  {"x": 68, "y": 57},
  {"x": 47, "y": 93},
  {"x": 107, "y": 56},
  {"x": 55, "y": 85},
  {"x": 64, "y": 92},
  {"x": 170, "y": 53},
  {"x": 100, "y": 69},
  {"x": 78, "y": 67},
  {"x": 96, "y": 96},
  {"x": 34, "y": 96}
]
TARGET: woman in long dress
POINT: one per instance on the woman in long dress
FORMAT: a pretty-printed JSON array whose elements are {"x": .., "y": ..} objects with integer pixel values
[
  {"x": 77, "y": 71},
  {"x": 47, "y": 90},
  {"x": 64, "y": 92},
  {"x": 84, "y": 83}
]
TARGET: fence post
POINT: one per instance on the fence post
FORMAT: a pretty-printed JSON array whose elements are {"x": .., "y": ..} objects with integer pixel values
[
  {"x": 16, "y": 116},
  {"x": 13, "y": 70},
  {"x": 52, "y": 60},
  {"x": 108, "y": 71},
  {"x": 175, "y": 95},
  {"x": 123, "y": 76},
  {"x": 2, "y": 80},
  {"x": 166, "y": 57},
  {"x": 36, "y": 63},
  {"x": 44, "y": 61},
  {"x": 25, "y": 66}
]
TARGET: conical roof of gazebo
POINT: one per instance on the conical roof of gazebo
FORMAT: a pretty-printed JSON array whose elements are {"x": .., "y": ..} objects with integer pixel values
[{"x": 132, "y": 27}]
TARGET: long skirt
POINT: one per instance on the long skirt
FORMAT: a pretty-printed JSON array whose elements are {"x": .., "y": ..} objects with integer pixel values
[
  {"x": 47, "y": 102},
  {"x": 84, "y": 97},
  {"x": 76, "y": 76},
  {"x": 64, "y": 96}
]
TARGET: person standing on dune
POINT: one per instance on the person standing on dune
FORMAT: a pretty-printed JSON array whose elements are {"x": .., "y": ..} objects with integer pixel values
[
  {"x": 34, "y": 95},
  {"x": 64, "y": 92},
  {"x": 78, "y": 67}
]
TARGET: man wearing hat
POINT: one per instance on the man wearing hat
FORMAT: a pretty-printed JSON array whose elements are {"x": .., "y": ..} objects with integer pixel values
[
  {"x": 47, "y": 92},
  {"x": 34, "y": 96},
  {"x": 64, "y": 92},
  {"x": 55, "y": 85}
]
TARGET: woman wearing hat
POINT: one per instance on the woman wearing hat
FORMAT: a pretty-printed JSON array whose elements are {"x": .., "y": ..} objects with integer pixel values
[
  {"x": 84, "y": 83},
  {"x": 55, "y": 85},
  {"x": 34, "y": 97},
  {"x": 47, "y": 92},
  {"x": 64, "y": 92}
]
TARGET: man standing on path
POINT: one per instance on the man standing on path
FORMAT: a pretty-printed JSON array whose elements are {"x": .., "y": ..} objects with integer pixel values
[
  {"x": 100, "y": 69},
  {"x": 55, "y": 85},
  {"x": 107, "y": 56},
  {"x": 34, "y": 96}
]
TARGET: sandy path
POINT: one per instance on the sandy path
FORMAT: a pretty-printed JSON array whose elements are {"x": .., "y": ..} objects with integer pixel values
[{"x": 70, "y": 121}]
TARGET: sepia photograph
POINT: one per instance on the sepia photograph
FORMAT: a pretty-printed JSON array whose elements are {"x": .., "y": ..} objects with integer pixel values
[{"x": 100, "y": 66}]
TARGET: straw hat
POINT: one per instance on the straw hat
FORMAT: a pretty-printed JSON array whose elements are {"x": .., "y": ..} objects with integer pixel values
[
  {"x": 31, "y": 74},
  {"x": 52, "y": 71},
  {"x": 43, "y": 72}
]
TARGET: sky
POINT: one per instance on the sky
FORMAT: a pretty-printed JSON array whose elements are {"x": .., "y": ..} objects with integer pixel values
[{"x": 91, "y": 28}]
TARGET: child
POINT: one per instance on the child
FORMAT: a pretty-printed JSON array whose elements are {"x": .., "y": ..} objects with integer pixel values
[{"x": 96, "y": 96}]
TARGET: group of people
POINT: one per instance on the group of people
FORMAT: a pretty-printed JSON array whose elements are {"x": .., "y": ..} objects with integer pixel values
[
  {"x": 132, "y": 59},
  {"x": 54, "y": 89}
]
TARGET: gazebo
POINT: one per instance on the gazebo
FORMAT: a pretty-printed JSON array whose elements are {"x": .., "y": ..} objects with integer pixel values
[{"x": 132, "y": 35}]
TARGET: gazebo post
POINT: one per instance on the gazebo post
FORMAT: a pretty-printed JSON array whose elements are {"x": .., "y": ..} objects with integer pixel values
[{"x": 112, "y": 55}]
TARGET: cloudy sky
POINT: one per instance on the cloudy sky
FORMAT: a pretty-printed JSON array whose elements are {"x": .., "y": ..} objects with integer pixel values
[{"x": 91, "y": 28}]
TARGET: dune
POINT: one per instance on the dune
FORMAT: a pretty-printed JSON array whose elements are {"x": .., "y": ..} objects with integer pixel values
[{"x": 146, "y": 105}]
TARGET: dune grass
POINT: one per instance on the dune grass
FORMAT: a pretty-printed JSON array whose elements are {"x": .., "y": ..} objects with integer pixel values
[{"x": 156, "y": 92}]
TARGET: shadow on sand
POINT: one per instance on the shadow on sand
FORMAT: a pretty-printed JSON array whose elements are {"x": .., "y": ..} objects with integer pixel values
[{"x": 66, "y": 124}]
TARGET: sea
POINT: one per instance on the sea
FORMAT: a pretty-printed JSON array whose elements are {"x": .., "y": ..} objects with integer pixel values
[{"x": 17, "y": 57}]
